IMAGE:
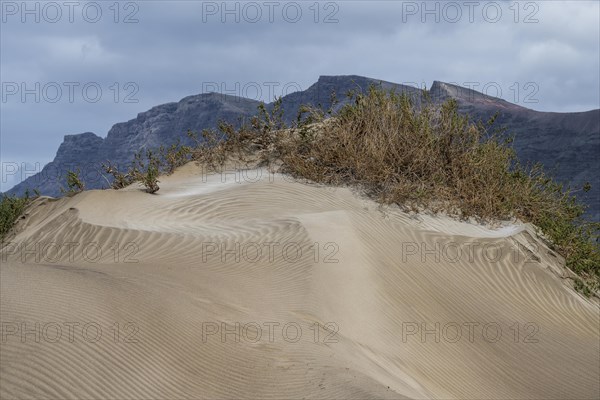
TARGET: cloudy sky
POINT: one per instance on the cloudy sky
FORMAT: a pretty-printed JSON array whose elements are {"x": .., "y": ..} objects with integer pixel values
[{"x": 76, "y": 66}]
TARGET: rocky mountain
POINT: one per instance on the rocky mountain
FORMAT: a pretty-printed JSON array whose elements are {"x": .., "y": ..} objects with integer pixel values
[
  {"x": 320, "y": 93},
  {"x": 161, "y": 125},
  {"x": 565, "y": 143}
]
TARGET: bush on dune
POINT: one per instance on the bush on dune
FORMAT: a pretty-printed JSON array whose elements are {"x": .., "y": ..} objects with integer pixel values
[
  {"x": 74, "y": 183},
  {"x": 422, "y": 157},
  {"x": 11, "y": 208},
  {"x": 146, "y": 170},
  {"x": 147, "y": 166}
]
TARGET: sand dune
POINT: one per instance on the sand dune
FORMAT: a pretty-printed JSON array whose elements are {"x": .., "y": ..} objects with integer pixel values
[{"x": 270, "y": 288}]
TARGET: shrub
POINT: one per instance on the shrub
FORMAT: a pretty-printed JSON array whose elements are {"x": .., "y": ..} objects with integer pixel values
[
  {"x": 74, "y": 183},
  {"x": 11, "y": 208},
  {"x": 426, "y": 156},
  {"x": 146, "y": 171},
  {"x": 174, "y": 156},
  {"x": 120, "y": 180}
]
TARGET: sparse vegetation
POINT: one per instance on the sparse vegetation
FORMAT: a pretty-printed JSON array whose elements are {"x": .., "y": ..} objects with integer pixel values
[
  {"x": 146, "y": 170},
  {"x": 174, "y": 156},
  {"x": 147, "y": 166},
  {"x": 11, "y": 208},
  {"x": 74, "y": 183},
  {"x": 415, "y": 157},
  {"x": 120, "y": 180}
]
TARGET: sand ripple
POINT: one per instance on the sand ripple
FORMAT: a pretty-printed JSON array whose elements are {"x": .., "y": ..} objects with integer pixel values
[{"x": 388, "y": 305}]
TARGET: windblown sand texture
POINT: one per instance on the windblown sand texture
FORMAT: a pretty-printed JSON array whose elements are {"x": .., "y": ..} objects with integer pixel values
[{"x": 204, "y": 255}]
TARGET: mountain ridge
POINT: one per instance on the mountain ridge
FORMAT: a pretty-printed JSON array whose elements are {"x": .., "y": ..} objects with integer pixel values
[{"x": 565, "y": 143}]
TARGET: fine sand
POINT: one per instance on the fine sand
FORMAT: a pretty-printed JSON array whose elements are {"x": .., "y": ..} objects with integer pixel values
[{"x": 270, "y": 288}]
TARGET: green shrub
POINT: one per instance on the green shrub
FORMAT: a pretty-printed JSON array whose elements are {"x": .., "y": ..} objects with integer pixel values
[
  {"x": 146, "y": 171},
  {"x": 11, "y": 208},
  {"x": 74, "y": 183},
  {"x": 120, "y": 180}
]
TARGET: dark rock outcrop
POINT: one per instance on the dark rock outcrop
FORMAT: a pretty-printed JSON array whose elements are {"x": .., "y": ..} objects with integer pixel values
[
  {"x": 320, "y": 93},
  {"x": 161, "y": 125}
]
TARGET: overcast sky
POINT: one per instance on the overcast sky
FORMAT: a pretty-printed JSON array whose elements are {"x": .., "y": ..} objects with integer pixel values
[{"x": 74, "y": 66}]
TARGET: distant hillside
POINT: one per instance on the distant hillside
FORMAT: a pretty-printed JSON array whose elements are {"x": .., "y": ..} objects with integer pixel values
[
  {"x": 163, "y": 124},
  {"x": 565, "y": 143}
]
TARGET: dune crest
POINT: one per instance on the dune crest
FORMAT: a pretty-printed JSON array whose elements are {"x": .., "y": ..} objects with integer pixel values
[{"x": 249, "y": 284}]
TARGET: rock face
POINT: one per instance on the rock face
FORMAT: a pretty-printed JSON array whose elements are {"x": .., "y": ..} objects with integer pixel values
[
  {"x": 319, "y": 94},
  {"x": 164, "y": 124},
  {"x": 565, "y": 143},
  {"x": 80, "y": 151},
  {"x": 161, "y": 125}
]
